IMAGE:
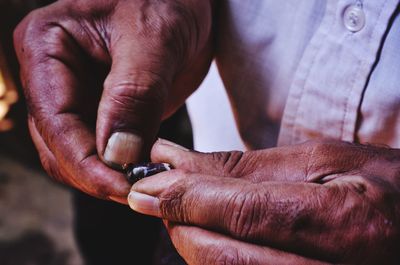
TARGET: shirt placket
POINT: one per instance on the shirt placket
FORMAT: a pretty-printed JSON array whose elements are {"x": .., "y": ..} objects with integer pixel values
[{"x": 327, "y": 89}]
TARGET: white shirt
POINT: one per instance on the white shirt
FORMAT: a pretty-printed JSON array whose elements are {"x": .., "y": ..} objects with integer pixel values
[{"x": 303, "y": 69}]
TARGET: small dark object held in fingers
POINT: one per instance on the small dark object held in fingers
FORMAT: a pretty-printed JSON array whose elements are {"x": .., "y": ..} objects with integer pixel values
[{"x": 135, "y": 172}]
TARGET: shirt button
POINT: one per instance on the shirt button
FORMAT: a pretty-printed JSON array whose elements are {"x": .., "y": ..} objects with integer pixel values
[{"x": 354, "y": 18}]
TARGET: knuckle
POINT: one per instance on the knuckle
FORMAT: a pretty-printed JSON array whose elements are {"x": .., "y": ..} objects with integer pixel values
[
  {"x": 28, "y": 29},
  {"x": 244, "y": 214},
  {"x": 40, "y": 36},
  {"x": 319, "y": 155},
  {"x": 323, "y": 147},
  {"x": 53, "y": 42},
  {"x": 30, "y": 21},
  {"x": 376, "y": 209},
  {"x": 315, "y": 146},
  {"x": 228, "y": 258},
  {"x": 223, "y": 256},
  {"x": 349, "y": 206},
  {"x": 131, "y": 103},
  {"x": 162, "y": 18},
  {"x": 383, "y": 226},
  {"x": 25, "y": 29},
  {"x": 170, "y": 26},
  {"x": 230, "y": 162},
  {"x": 174, "y": 203},
  {"x": 142, "y": 85}
]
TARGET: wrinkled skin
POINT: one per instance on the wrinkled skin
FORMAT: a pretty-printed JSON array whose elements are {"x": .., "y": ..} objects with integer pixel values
[
  {"x": 91, "y": 68},
  {"x": 323, "y": 201}
]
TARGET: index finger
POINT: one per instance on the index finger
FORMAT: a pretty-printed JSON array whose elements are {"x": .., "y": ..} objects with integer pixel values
[
  {"x": 198, "y": 246},
  {"x": 314, "y": 220},
  {"x": 59, "y": 97}
]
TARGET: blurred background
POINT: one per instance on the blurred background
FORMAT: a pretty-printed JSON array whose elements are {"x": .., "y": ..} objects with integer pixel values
[{"x": 36, "y": 214}]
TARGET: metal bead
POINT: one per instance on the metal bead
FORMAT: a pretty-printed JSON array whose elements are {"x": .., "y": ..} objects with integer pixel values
[{"x": 136, "y": 172}]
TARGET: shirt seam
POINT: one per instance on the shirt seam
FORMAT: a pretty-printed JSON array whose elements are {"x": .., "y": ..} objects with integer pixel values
[
  {"x": 295, "y": 136},
  {"x": 346, "y": 113}
]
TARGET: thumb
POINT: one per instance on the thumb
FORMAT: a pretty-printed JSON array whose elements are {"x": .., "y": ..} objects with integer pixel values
[
  {"x": 132, "y": 104},
  {"x": 274, "y": 164},
  {"x": 229, "y": 164},
  {"x": 157, "y": 53}
]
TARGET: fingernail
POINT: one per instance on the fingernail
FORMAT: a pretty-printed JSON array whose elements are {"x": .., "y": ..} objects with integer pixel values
[
  {"x": 123, "y": 148},
  {"x": 169, "y": 143},
  {"x": 144, "y": 203}
]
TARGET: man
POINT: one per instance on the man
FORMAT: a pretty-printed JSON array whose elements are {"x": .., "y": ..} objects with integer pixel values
[{"x": 294, "y": 71}]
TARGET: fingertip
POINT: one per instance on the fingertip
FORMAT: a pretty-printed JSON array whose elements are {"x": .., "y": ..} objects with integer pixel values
[
  {"x": 144, "y": 203},
  {"x": 167, "y": 151},
  {"x": 159, "y": 183},
  {"x": 168, "y": 143}
]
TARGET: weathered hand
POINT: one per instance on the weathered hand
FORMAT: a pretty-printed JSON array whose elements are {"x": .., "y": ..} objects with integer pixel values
[
  {"x": 150, "y": 55},
  {"x": 200, "y": 246},
  {"x": 327, "y": 200}
]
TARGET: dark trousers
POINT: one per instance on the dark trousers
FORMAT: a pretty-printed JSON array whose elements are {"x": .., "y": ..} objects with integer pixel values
[{"x": 112, "y": 234}]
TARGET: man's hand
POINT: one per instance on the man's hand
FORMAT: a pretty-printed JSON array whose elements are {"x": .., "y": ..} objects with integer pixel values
[
  {"x": 326, "y": 201},
  {"x": 99, "y": 76}
]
